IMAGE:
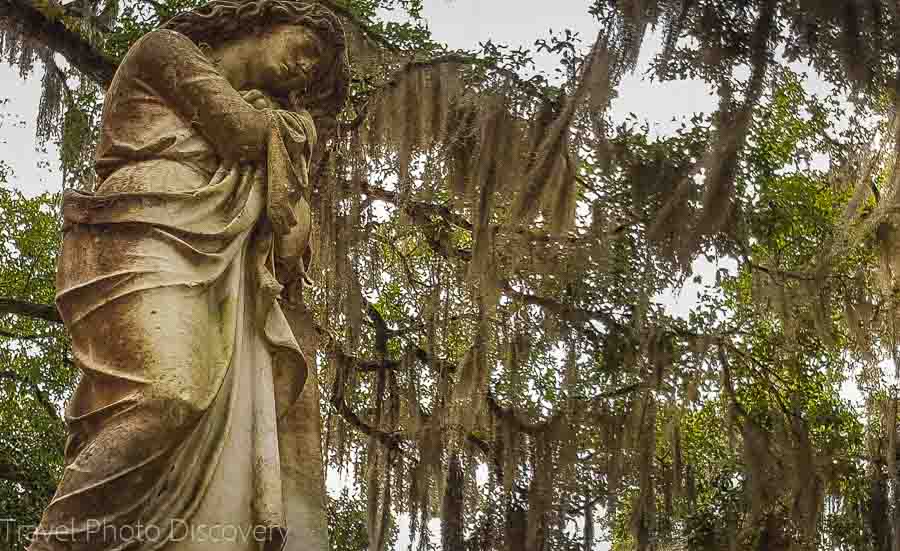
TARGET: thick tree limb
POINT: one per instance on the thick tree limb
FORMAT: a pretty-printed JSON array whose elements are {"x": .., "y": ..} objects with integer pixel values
[
  {"x": 370, "y": 366},
  {"x": 381, "y": 331},
  {"x": 420, "y": 211},
  {"x": 521, "y": 421},
  {"x": 23, "y": 17},
  {"x": 11, "y": 335},
  {"x": 515, "y": 417},
  {"x": 565, "y": 311},
  {"x": 389, "y": 440},
  {"x": 419, "y": 208},
  {"x": 27, "y": 309},
  {"x": 40, "y": 483},
  {"x": 11, "y": 473},
  {"x": 452, "y": 512}
]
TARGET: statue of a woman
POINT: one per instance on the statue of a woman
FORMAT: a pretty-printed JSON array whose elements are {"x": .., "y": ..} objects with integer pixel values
[{"x": 168, "y": 282}]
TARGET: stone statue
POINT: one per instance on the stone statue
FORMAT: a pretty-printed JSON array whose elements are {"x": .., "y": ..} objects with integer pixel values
[{"x": 169, "y": 282}]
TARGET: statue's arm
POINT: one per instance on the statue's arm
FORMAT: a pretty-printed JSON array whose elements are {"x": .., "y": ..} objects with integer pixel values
[
  {"x": 292, "y": 249},
  {"x": 179, "y": 72}
]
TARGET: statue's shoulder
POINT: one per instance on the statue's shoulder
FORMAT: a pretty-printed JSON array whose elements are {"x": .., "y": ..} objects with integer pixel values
[
  {"x": 160, "y": 43},
  {"x": 153, "y": 53}
]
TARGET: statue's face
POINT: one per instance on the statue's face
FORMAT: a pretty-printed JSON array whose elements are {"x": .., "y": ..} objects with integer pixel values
[{"x": 284, "y": 59}]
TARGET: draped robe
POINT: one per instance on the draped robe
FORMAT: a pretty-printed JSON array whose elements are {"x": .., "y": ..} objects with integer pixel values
[{"x": 167, "y": 284}]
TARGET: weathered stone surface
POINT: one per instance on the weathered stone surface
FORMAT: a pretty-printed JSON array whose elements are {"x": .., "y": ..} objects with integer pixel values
[
  {"x": 301, "y": 438},
  {"x": 196, "y": 423}
]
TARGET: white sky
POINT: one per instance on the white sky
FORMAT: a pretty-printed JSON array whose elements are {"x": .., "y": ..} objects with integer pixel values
[
  {"x": 458, "y": 23},
  {"x": 18, "y": 147}
]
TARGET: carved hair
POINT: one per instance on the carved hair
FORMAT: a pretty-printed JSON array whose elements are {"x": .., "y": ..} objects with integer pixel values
[{"x": 219, "y": 21}]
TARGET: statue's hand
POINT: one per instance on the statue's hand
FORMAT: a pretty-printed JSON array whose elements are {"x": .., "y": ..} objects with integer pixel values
[
  {"x": 292, "y": 249},
  {"x": 259, "y": 99}
]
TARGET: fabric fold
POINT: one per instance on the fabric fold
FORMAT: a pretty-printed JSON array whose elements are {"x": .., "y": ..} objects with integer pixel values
[{"x": 171, "y": 299}]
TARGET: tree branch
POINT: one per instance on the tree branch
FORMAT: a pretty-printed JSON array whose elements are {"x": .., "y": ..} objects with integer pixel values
[
  {"x": 45, "y": 312},
  {"x": 370, "y": 366},
  {"x": 23, "y": 17},
  {"x": 381, "y": 330},
  {"x": 414, "y": 208},
  {"x": 11, "y": 473},
  {"x": 565, "y": 311},
  {"x": 11, "y": 335},
  {"x": 389, "y": 440}
]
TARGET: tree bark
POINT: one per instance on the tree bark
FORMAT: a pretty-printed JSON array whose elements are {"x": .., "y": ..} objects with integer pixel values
[
  {"x": 46, "y": 312},
  {"x": 452, "y": 529},
  {"x": 588, "y": 543},
  {"x": 515, "y": 528},
  {"x": 23, "y": 17},
  {"x": 9, "y": 472}
]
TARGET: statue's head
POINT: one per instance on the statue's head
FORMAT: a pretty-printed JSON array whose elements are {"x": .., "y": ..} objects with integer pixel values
[{"x": 292, "y": 49}]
